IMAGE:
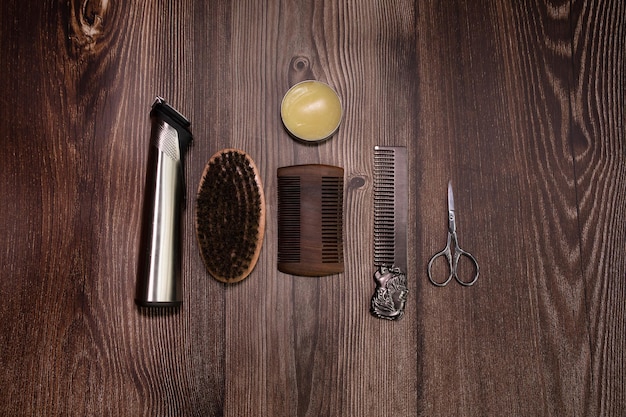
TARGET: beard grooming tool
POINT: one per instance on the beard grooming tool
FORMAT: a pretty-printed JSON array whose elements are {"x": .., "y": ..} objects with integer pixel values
[
  {"x": 311, "y": 111},
  {"x": 230, "y": 215},
  {"x": 391, "y": 190},
  {"x": 453, "y": 253},
  {"x": 158, "y": 276},
  {"x": 310, "y": 220}
]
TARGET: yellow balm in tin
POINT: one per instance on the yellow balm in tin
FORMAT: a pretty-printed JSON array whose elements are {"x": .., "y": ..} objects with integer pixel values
[{"x": 311, "y": 111}]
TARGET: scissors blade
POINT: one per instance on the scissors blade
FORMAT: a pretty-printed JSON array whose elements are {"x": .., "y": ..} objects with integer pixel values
[{"x": 450, "y": 197}]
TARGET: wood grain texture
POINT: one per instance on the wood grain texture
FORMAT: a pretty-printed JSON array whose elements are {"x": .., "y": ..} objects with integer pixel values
[
  {"x": 598, "y": 136},
  {"x": 519, "y": 104}
]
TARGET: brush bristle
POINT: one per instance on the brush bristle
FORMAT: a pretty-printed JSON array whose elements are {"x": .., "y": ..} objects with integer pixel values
[{"x": 230, "y": 215}]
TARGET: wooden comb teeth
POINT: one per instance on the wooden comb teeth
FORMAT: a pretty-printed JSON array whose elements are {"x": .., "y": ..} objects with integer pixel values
[{"x": 310, "y": 220}]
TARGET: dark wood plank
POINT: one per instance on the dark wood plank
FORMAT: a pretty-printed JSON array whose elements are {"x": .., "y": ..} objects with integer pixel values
[
  {"x": 543, "y": 133},
  {"x": 308, "y": 346},
  {"x": 482, "y": 345},
  {"x": 597, "y": 140},
  {"x": 79, "y": 149}
]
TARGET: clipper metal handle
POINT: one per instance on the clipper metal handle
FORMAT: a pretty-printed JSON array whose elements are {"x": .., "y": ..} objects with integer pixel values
[{"x": 158, "y": 276}]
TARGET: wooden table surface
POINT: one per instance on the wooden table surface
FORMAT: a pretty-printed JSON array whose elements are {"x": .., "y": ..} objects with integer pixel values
[{"x": 521, "y": 104}]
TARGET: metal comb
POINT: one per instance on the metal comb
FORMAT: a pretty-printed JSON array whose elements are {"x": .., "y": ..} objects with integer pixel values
[{"x": 391, "y": 205}]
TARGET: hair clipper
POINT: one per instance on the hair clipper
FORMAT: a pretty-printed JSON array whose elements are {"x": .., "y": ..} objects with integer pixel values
[{"x": 159, "y": 270}]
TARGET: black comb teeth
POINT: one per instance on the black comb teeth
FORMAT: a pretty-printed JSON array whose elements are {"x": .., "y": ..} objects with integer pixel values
[
  {"x": 332, "y": 219},
  {"x": 289, "y": 214}
]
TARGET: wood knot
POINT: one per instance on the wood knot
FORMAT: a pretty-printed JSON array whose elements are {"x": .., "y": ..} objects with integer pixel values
[
  {"x": 300, "y": 69},
  {"x": 356, "y": 182},
  {"x": 300, "y": 63},
  {"x": 87, "y": 22}
]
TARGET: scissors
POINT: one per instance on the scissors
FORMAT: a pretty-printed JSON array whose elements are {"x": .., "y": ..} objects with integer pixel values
[{"x": 452, "y": 256}]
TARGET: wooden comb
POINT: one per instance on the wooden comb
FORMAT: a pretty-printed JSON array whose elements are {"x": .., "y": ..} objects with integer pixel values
[{"x": 310, "y": 220}]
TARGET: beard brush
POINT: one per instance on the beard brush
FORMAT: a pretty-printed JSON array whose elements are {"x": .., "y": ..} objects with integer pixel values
[{"x": 230, "y": 215}]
